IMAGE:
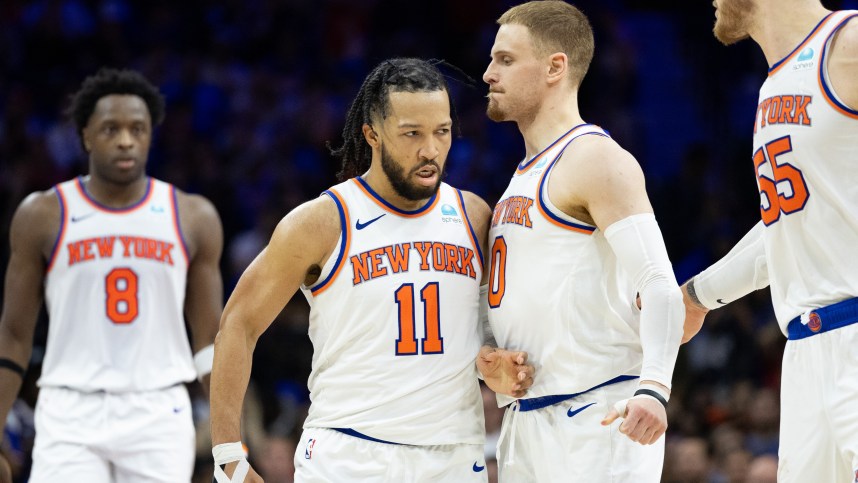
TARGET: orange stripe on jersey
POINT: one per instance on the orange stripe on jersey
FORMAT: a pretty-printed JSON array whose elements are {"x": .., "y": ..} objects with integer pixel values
[
  {"x": 62, "y": 232},
  {"x": 778, "y": 65},
  {"x": 377, "y": 199},
  {"x": 823, "y": 85},
  {"x": 345, "y": 223},
  {"x": 177, "y": 226},
  {"x": 551, "y": 217},
  {"x": 117, "y": 211},
  {"x": 521, "y": 169},
  {"x": 470, "y": 229}
]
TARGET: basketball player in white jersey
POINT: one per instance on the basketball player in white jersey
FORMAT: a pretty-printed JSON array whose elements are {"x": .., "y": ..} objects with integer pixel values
[
  {"x": 391, "y": 262},
  {"x": 573, "y": 240},
  {"x": 119, "y": 259},
  {"x": 806, "y": 161}
]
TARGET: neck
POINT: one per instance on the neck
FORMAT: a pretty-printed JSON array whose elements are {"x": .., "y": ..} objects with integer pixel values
[
  {"x": 115, "y": 195},
  {"x": 556, "y": 115},
  {"x": 781, "y": 25},
  {"x": 377, "y": 180}
]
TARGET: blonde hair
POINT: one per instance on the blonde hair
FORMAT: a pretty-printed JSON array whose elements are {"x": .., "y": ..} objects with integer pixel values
[{"x": 556, "y": 26}]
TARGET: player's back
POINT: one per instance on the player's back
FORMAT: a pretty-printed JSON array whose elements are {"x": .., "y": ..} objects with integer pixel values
[
  {"x": 394, "y": 322},
  {"x": 115, "y": 290},
  {"x": 805, "y": 156},
  {"x": 556, "y": 289}
]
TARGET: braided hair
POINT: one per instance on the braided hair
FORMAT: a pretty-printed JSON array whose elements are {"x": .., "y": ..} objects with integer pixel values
[
  {"x": 373, "y": 102},
  {"x": 109, "y": 81}
]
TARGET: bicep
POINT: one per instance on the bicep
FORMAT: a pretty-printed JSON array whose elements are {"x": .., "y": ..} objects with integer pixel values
[
  {"x": 303, "y": 240},
  {"x": 843, "y": 64},
  {"x": 25, "y": 273},
  {"x": 614, "y": 188},
  {"x": 204, "y": 297}
]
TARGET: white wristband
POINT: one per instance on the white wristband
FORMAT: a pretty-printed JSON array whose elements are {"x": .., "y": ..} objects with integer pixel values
[
  {"x": 229, "y": 453},
  {"x": 203, "y": 361}
]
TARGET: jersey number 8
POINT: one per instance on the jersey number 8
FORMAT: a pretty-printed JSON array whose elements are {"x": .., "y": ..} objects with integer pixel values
[{"x": 121, "y": 288}]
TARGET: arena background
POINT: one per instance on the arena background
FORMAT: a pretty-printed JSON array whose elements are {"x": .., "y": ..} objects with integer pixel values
[{"x": 255, "y": 88}]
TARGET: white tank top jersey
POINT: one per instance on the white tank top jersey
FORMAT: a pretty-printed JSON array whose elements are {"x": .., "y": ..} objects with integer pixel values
[
  {"x": 556, "y": 289},
  {"x": 806, "y": 161},
  {"x": 115, "y": 292},
  {"x": 394, "y": 322}
]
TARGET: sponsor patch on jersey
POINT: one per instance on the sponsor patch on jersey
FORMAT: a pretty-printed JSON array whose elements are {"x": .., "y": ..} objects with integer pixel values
[
  {"x": 814, "y": 323},
  {"x": 804, "y": 60},
  {"x": 449, "y": 214},
  {"x": 308, "y": 451}
]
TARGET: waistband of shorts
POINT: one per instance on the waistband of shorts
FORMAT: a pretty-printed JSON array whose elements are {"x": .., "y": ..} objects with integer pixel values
[
  {"x": 352, "y": 432},
  {"x": 545, "y": 401},
  {"x": 824, "y": 319}
]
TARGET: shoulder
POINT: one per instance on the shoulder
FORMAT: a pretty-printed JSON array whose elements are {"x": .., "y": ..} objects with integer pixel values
[
  {"x": 478, "y": 210},
  {"x": 311, "y": 230},
  {"x": 37, "y": 219},
  {"x": 196, "y": 207},
  {"x": 596, "y": 159}
]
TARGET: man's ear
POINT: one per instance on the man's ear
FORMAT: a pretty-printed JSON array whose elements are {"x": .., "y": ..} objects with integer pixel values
[
  {"x": 558, "y": 67},
  {"x": 371, "y": 136}
]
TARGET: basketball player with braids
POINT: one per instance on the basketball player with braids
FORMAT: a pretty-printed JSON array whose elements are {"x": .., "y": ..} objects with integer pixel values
[
  {"x": 391, "y": 262},
  {"x": 806, "y": 160},
  {"x": 121, "y": 260}
]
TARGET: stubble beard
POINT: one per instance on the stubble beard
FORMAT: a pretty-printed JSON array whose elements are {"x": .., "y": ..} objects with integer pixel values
[{"x": 733, "y": 21}]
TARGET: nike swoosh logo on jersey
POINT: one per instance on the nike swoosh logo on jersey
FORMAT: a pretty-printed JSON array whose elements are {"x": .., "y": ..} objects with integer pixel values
[
  {"x": 721, "y": 301},
  {"x": 361, "y": 226},
  {"x": 478, "y": 468},
  {"x": 75, "y": 219},
  {"x": 571, "y": 413}
]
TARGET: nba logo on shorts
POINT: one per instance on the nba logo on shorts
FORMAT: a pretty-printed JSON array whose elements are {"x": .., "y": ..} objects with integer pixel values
[
  {"x": 814, "y": 323},
  {"x": 308, "y": 452}
]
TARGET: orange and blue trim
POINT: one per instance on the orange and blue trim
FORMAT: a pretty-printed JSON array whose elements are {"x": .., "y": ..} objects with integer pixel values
[
  {"x": 345, "y": 241},
  {"x": 177, "y": 225},
  {"x": 777, "y": 65},
  {"x": 116, "y": 211},
  {"x": 384, "y": 204},
  {"x": 827, "y": 93},
  {"x": 61, "y": 232},
  {"x": 525, "y": 166},
  {"x": 471, "y": 233},
  {"x": 543, "y": 207}
]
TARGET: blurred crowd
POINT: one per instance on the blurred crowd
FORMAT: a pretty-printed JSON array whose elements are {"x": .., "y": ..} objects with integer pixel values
[{"x": 256, "y": 88}]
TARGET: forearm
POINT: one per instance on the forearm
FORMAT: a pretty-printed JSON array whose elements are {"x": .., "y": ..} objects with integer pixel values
[
  {"x": 16, "y": 356},
  {"x": 229, "y": 379},
  {"x": 740, "y": 272},
  {"x": 640, "y": 251}
]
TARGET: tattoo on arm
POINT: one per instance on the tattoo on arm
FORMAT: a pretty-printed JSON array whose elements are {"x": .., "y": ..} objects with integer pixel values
[{"x": 692, "y": 293}]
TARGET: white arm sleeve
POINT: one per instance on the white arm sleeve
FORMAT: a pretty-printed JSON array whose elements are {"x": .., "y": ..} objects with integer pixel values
[
  {"x": 740, "y": 272},
  {"x": 488, "y": 335},
  {"x": 640, "y": 250}
]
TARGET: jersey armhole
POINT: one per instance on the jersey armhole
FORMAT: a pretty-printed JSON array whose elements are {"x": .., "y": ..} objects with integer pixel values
[
  {"x": 470, "y": 229},
  {"x": 345, "y": 240},
  {"x": 61, "y": 232},
  {"x": 177, "y": 225}
]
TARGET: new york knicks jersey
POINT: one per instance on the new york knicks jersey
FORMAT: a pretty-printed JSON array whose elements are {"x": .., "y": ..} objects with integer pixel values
[
  {"x": 115, "y": 292},
  {"x": 806, "y": 162},
  {"x": 394, "y": 322},
  {"x": 556, "y": 289}
]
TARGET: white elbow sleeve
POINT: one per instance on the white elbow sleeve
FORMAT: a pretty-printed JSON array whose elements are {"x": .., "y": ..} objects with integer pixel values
[
  {"x": 640, "y": 251},
  {"x": 740, "y": 272}
]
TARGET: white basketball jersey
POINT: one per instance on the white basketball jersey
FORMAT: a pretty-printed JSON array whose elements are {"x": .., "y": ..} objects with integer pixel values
[
  {"x": 556, "y": 289},
  {"x": 115, "y": 292},
  {"x": 394, "y": 322},
  {"x": 806, "y": 160}
]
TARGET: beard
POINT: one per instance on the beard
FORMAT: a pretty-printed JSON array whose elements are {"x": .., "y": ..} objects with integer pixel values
[
  {"x": 733, "y": 21},
  {"x": 400, "y": 180},
  {"x": 494, "y": 112}
]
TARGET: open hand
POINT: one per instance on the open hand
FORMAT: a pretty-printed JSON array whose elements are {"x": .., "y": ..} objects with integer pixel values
[{"x": 505, "y": 372}]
